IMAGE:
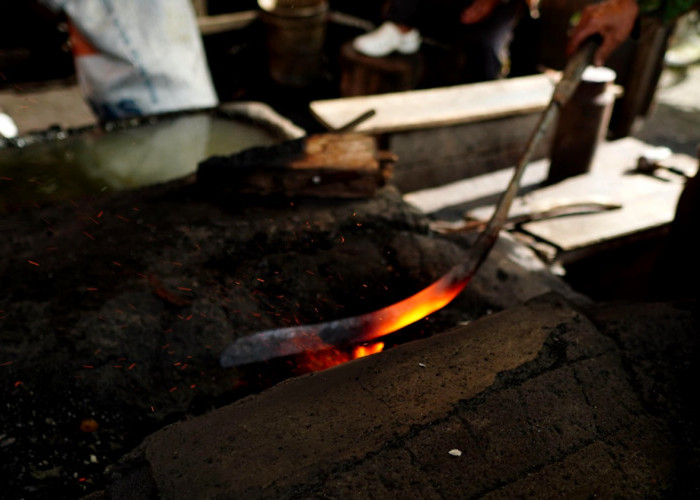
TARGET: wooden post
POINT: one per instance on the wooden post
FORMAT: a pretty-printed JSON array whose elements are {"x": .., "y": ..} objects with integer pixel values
[
  {"x": 642, "y": 77},
  {"x": 296, "y": 33}
]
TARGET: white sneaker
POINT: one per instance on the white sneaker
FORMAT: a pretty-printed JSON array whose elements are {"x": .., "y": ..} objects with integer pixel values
[{"x": 387, "y": 39}]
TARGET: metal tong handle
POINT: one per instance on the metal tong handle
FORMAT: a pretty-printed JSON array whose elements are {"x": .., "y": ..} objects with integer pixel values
[
  {"x": 571, "y": 76},
  {"x": 565, "y": 88}
]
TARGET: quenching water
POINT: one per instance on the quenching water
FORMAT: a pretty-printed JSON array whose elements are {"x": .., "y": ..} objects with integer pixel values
[{"x": 65, "y": 165}]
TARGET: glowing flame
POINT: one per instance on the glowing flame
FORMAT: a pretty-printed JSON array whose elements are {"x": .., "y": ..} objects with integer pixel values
[
  {"x": 318, "y": 361},
  {"x": 366, "y": 350},
  {"x": 321, "y": 337},
  {"x": 387, "y": 320},
  {"x": 413, "y": 308}
]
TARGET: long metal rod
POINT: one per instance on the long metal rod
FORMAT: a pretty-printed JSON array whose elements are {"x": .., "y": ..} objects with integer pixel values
[{"x": 288, "y": 341}]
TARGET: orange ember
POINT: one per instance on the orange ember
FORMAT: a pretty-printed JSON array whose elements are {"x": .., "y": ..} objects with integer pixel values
[
  {"x": 89, "y": 425},
  {"x": 365, "y": 350},
  {"x": 313, "y": 344},
  {"x": 322, "y": 360},
  {"x": 413, "y": 308},
  {"x": 385, "y": 321}
]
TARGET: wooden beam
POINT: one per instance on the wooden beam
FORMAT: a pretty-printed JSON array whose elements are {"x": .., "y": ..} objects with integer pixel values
[
  {"x": 438, "y": 107},
  {"x": 321, "y": 165}
]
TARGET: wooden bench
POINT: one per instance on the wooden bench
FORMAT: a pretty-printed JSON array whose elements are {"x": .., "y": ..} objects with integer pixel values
[{"x": 449, "y": 133}]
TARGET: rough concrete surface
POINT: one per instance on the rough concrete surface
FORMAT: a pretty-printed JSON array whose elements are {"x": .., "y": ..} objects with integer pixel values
[
  {"x": 541, "y": 401},
  {"x": 114, "y": 309}
]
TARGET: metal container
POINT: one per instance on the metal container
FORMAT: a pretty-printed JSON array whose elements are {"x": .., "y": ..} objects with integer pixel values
[
  {"x": 296, "y": 33},
  {"x": 582, "y": 124}
]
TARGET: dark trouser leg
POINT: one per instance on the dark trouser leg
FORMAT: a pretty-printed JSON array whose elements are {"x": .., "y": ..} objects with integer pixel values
[
  {"x": 478, "y": 48},
  {"x": 486, "y": 44},
  {"x": 402, "y": 11}
]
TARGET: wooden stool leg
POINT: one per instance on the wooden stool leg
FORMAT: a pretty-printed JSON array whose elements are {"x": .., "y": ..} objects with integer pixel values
[{"x": 363, "y": 75}]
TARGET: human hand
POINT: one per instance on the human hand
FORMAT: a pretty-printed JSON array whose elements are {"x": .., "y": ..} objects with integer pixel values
[
  {"x": 478, "y": 11},
  {"x": 613, "y": 20}
]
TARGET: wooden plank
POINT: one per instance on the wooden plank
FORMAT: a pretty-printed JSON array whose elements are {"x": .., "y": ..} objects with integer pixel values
[
  {"x": 48, "y": 105},
  {"x": 427, "y": 108},
  {"x": 225, "y": 22},
  {"x": 320, "y": 165},
  {"x": 647, "y": 202},
  {"x": 462, "y": 195}
]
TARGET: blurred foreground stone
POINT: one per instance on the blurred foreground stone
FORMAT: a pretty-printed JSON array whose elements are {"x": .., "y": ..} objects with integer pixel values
[
  {"x": 115, "y": 308},
  {"x": 542, "y": 400}
]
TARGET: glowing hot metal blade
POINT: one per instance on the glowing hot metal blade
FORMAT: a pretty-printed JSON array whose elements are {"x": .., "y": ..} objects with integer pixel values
[{"x": 281, "y": 342}]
